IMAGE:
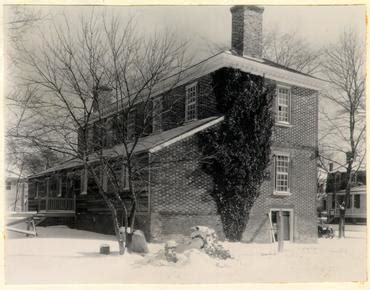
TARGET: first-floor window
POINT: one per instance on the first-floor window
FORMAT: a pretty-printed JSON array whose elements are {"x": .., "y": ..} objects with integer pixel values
[
  {"x": 357, "y": 201},
  {"x": 8, "y": 185},
  {"x": 282, "y": 173}
]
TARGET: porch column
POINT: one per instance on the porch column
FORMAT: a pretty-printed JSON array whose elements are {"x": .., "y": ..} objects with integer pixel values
[
  {"x": 47, "y": 193},
  {"x": 84, "y": 180},
  {"x": 59, "y": 181},
  {"x": 22, "y": 196}
]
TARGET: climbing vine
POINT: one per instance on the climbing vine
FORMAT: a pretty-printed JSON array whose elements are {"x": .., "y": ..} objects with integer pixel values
[{"x": 236, "y": 153}]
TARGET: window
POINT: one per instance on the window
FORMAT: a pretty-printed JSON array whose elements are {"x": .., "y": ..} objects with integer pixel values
[
  {"x": 191, "y": 102},
  {"x": 282, "y": 173},
  {"x": 131, "y": 124},
  {"x": 357, "y": 201},
  {"x": 125, "y": 177},
  {"x": 157, "y": 114},
  {"x": 8, "y": 185},
  {"x": 283, "y": 105},
  {"x": 349, "y": 202}
]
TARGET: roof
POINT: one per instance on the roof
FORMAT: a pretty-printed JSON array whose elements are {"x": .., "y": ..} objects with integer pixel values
[
  {"x": 151, "y": 143},
  {"x": 358, "y": 189},
  {"x": 256, "y": 66},
  {"x": 361, "y": 166}
]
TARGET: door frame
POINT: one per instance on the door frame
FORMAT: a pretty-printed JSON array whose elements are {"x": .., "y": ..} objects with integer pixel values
[{"x": 291, "y": 221}]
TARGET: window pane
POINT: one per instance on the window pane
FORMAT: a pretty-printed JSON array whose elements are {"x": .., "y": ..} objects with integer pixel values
[
  {"x": 191, "y": 100},
  {"x": 282, "y": 173},
  {"x": 283, "y": 100}
]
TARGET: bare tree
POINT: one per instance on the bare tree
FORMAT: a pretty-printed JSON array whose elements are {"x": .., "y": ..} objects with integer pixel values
[
  {"x": 287, "y": 49},
  {"x": 344, "y": 67},
  {"x": 91, "y": 80}
]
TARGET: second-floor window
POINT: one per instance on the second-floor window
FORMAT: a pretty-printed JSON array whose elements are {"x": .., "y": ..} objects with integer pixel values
[
  {"x": 191, "y": 102},
  {"x": 8, "y": 185},
  {"x": 131, "y": 124},
  {"x": 157, "y": 114},
  {"x": 283, "y": 105},
  {"x": 282, "y": 172}
]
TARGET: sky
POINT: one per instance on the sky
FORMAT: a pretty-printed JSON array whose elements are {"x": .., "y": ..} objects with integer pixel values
[{"x": 206, "y": 26}]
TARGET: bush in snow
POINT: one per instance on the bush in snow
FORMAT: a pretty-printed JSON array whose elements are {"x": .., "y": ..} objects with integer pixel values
[{"x": 210, "y": 242}]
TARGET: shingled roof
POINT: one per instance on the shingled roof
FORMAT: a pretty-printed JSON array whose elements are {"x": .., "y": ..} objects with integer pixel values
[{"x": 151, "y": 143}]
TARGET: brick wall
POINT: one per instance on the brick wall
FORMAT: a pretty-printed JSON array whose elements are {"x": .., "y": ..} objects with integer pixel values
[
  {"x": 301, "y": 201},
  {"x": 304, "y": 121},
  {"x": 180, "y": 194},
  {"x": 174, "y": 103}
]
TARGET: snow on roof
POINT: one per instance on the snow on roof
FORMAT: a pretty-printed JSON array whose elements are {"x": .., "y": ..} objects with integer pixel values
[
  {"x": 151, "y": 143},
  {"x": 343, "y": 168}
]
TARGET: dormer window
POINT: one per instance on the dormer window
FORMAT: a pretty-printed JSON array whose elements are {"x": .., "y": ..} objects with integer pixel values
[
  {"x": 157, "y": 114},
  {"x": 283, "y": 105},
  {"x": 191, "y": 102}
]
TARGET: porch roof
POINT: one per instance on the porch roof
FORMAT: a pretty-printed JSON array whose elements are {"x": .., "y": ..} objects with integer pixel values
[{"x": 151, "y": 143}]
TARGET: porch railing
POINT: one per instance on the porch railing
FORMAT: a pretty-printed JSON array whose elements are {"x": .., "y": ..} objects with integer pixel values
[{"x": 52, "y": 204}]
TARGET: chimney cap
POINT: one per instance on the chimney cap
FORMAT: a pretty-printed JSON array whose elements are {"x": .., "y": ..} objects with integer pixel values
[{"x": 256, "y": 8}]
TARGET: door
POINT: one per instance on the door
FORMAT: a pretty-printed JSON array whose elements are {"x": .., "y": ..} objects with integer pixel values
[{"x": 286, "y": 223}]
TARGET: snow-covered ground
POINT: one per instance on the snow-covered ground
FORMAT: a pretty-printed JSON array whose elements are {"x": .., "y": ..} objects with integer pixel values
[{"x": 63, "y": 255}]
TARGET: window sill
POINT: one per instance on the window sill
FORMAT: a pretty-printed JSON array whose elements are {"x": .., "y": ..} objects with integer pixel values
[
  {"x": 285, "y": 125},
  {"x": 281, "y": 193}
]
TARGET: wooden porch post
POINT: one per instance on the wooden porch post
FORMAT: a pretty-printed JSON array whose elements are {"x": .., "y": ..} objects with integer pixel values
[
  {"x": 60, "y": 181},
  {"x": 38, "y": 196},
  {"x": 47, "y": 193},
  {"x": 22, "y": 197},
  {"x": 84, "y": 177}
]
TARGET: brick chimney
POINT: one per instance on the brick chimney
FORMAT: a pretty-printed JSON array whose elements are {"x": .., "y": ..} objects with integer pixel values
[{"x": 246, "y": 31}]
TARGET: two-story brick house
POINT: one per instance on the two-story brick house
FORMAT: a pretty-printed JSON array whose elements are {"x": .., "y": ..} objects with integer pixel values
[{"x": 177, "y": 195}]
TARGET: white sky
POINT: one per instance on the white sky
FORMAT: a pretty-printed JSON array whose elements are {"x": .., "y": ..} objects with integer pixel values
[{"x": 204, "y": 26}]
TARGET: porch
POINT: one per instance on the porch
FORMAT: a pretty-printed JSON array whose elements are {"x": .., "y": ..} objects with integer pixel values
[
  {"x": 54, "y": 194},
  {"x": 59, "y": 206}
]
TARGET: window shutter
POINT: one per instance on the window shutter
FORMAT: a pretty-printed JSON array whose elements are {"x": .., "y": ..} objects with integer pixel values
[
  {"x": 273, "y": 173},
  {"x": 275, "y": 106},
  {"x": 290, "y": 173}
]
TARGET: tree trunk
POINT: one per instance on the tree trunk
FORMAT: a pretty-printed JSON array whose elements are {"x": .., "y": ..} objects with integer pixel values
[{"x": 234, "y": 217}]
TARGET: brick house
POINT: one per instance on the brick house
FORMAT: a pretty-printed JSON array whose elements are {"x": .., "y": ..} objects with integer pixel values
[{"x": 177, "y": 194}]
